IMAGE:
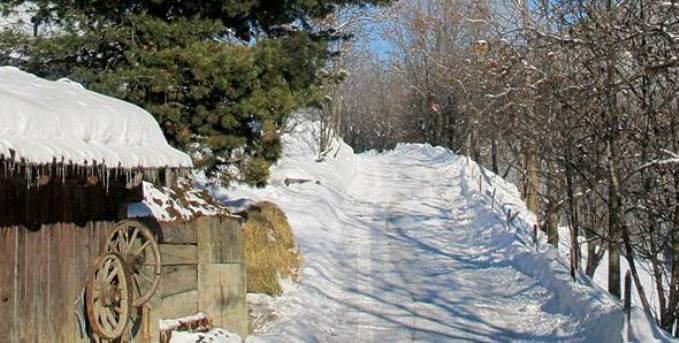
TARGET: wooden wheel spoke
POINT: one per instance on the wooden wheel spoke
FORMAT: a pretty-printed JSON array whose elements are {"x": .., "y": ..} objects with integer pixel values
[
  {"x": 103, "y": 319},
  {"x": 97, "y": 303},
  {"x": 107, "y": 266},
  {"x": 108, "y": 301},
  {"x": 137, "y": 285},
  {"x": 100, "y": 278},
  {"x": 111, "y": 318},
  {"x": 142, "y": 247},
  {"x": 146, "y": 277},
  {"x": 122, "y": 243},
  {"x": 126, "y": 237},
  {"x": 132, "y": 239},
  {"x": 138, "y": 247},
  {"x": 112, "y": 274}
]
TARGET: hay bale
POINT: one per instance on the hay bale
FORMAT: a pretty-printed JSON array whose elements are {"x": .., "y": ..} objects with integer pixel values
[{"x": 270, "y": 249}]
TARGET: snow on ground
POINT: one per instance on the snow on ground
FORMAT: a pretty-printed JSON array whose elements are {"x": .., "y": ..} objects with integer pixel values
[
  {"x": 402, "y": 246},
  {"x": 600, "y": 278},
  {"x": 213, "y": 336},
  {"x": 19, "y": 20},
  {"x": 42, "y": 120}
]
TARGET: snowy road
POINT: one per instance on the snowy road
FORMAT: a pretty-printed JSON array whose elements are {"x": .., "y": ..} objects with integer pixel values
[
  {"x": 420, "y": 274},
  {"x": 402, "y": 247}
]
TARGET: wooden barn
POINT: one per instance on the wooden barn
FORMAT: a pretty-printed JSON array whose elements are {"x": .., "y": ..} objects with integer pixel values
[{"x": 73, "y": 268}]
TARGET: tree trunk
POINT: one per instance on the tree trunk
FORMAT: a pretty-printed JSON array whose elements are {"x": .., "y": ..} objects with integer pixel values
[
  {"x": 476, "y": 150},
  {"x": 493, "y": 151},
  {"x": 572, "y": 214},
  {"x": 552, "y": 226},
  {"x": 614, "y": 192},
  {"x": 532, "y": 180},
  {"x": 673, "y": 300},
  {"x": 629, "y": 254},
  {"x": 595, "y": 245},
  {"x": 614, "y": 222}
]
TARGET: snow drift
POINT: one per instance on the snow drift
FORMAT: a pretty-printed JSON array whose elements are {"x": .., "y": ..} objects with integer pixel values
[{"x": 42, "y": 121}]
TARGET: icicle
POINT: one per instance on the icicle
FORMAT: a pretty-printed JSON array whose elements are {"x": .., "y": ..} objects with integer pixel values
[
  {"x": 28, "y": 174},
  {"x": 106, "y": 179}
]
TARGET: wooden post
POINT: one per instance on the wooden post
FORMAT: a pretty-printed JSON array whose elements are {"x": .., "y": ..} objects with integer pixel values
[
  {"x": 509, "y": 217},
  {"x": 535, "y": 236},
  {"x": 221, "y": 273}
]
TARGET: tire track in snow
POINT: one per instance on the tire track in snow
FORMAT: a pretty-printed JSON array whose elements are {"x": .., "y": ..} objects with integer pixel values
[{"x": 411, "y": 211}]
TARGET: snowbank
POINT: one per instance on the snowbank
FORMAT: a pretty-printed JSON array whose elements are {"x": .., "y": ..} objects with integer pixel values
[
  {"x": 42, "y": 121},
  {"x": 644, "y": 268},
  {"x": 603, "y": 314}
]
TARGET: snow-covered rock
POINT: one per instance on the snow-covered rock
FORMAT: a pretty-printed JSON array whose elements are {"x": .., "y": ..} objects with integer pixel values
[{"x": 42, "y": 121}]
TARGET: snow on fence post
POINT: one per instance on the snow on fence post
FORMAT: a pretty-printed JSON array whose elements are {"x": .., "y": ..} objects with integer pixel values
[{"x": 480, "y": 183}]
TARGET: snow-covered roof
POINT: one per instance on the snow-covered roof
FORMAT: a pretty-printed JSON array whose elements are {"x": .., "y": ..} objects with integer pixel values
[{"x": 42, "y": 121}]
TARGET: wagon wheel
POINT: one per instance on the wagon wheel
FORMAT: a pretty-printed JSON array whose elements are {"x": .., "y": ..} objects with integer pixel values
[
  {"x": 135, "y": 243},
  {"x": 108, "y": 299}
]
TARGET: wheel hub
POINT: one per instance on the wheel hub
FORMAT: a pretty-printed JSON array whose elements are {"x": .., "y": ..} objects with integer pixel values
[
  {"x": 111, "y": 295},
  {"x": 134, "y": 262}
]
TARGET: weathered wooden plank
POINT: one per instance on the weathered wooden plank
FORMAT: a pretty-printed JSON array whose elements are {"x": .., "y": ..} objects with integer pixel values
[
  {"x": 149, "y": 331},
  {"x": 179, "y": 305},
  {"x": 26, "y": 284},
  {"x": 20, "y": 282},
  {"x": 178, "y": 233},
  {"x": 8, "y": 250},
  {"x": 42, "y": 299},
  {"x": 86, "y": 248},
  {"x": 221, "y": 289},
  {"x": 178, "y": 279},
  {"x": 175, "y": 254},
  {"x": 42, "y": 276},
  {"x": 64, "y": 290},
  {"x": 219, "y": 240}
]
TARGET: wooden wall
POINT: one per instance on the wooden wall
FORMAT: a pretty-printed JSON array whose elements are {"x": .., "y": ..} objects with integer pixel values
[
  {"x": 42, "y": 275},
  {"x": 72, "y": 200},
  {"x": 203, "y": 271}
]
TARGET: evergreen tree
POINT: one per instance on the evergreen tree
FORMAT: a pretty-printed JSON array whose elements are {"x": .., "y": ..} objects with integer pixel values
[{"x": 217, "y": 74}]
